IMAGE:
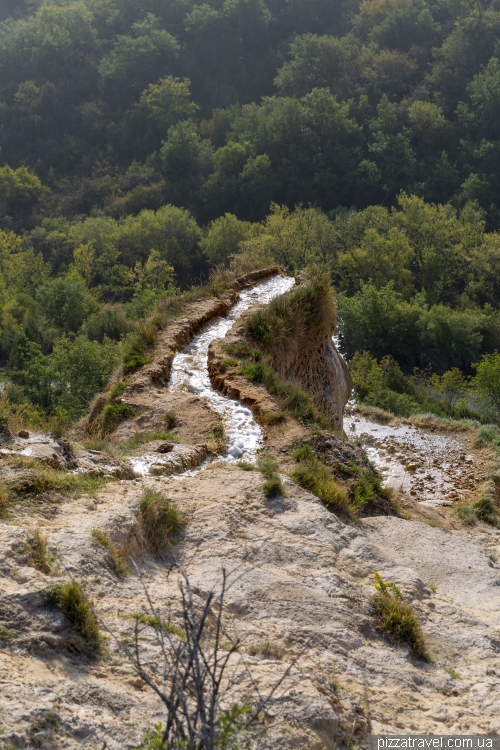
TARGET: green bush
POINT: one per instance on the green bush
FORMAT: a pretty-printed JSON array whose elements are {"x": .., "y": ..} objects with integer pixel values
[
  {"x": 314, "y": 476},
  {"x": 68, "y": 597},
  {"x": 159, "y": 520},
  {"x": 396, "y": 617}
]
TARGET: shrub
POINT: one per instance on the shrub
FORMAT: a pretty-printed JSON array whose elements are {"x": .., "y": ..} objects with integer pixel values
[
  {"x": 39, "y": 554},
  {"x": 159, "y": 521},
  {"x": 314, "y": 476},
  {"x": 115, "y": 412},
  {"x": 118, "y": 556},
  {"x": 216, "y": 440},
  {"x": 397, "y": 618},
  {"x": 268, "y": 465},
  {"x": 69, "y": 598},
  {"x": 170, "y": 419}
]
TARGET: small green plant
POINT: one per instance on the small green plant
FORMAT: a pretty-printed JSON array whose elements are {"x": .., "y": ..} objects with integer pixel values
[
  {"x": 268, "y": 465},
  {"x": 170, "y": 420},
  {"x": 314, "y": 476},
  {"x": 230, "y": 731},
  {"x": 230, "y": 362},
  {"x": 396, "y": 617},
  {"x": 155, "y": 623},
  {"x": 6, "y": 634},
  {"x": 246, "y": 466},
  {"x": 159, "y": 521},
  {"x": 116, "y": 411},
  {"x": 140, "y": 438},
  {"x": 117, "y": 389},
  {"x": 69, "y": 598},
  {"x": 452, "y": 673},
  {"x": 266, "y": 649},
  {"x": 39, "y": 554},
  {"x": 433, "y": 587},
  {"x": 118, "y": 556},
  {"x": 216, "y": 440}
]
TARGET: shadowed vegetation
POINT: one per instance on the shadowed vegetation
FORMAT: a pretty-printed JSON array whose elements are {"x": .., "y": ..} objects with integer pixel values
[{"x": 69, "y": 598}]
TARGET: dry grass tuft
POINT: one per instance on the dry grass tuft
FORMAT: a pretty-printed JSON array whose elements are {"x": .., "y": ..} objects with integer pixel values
[
  {"x": 39, "y": 553},
  {"x": 159, "y": 522},
  {"x": 69, "y": 598},
  {"x": 116, "y": 553}
]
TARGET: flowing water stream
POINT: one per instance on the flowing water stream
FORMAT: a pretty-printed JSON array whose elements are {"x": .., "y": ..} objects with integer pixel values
[{"x": 244, "y": 435}]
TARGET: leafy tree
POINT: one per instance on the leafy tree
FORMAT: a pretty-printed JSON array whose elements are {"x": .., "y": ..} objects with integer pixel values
[{"x": 486, "y": 386}]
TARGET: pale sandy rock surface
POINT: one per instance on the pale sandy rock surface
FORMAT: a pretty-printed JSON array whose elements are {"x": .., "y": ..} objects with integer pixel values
[{"x": 297, "y": 572}]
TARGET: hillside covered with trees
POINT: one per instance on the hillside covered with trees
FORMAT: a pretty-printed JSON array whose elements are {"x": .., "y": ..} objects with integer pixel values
[{"x": 144, "y": 143}]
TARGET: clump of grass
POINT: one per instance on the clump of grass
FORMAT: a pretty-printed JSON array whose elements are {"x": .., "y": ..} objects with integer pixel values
[
  {"x": 6, "y": 634},
  {"x": 117, "y": 555},
  {"x": 314, "y": 476},
  {"x": 69, "y": 598},
  {"x": 39, "y": 553},
  {"x": 230, "y": 362},
  {"x": 140, "y": 438},
  {"x": 115, "y": 412},
  {"x": 266, "y": 649},
  {"x": 159, "y": 521},
  {"x": 453, "y": 674},
  {"x": 268, "y": 465},
  {"x": 100, "y": 444},
  {"x": 170, "y": 420},
  {"x": 270, "y": 417},
  {"x": 216, "y": 440},
  {"x": 243, "y": 350},
  {"x": 246, "y": 466},
  {"x": 485, "y": 508},
  {"x": 289, "y": 320},
  {"x": 46, "y": 484},
  {"x": 396, "y": 617},
  {"x": 487, "y": 434},
  {"x": 155, "y": 623},
  {"x": 117, "y": 389},
  {"x": 289, "y": 395},
  {"x": 136, "y": 346}
]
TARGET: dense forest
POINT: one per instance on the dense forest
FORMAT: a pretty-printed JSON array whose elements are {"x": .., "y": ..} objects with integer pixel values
[{"x": 143, "y": 143}]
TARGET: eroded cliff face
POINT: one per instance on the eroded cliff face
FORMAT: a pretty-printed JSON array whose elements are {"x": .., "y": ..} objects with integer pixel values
[{"x": 317, "y": 365}]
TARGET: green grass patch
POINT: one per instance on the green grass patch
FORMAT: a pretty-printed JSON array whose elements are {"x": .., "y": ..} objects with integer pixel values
[
  {"x": 397, "y": 618},
  {"x": 155, "y": 623},
  {"x": 289, "y": 395},
  {"x": 484, "y": 509},
  {"x": 159, "y": 520},
  {"x": 140, "y": 438},
  {"x": 69, "y": 598},
  {"x": 313, "y": 475},
  {"x": 117, "y": 389},
  {"x": 268, "y": 466},
  {"x": 116, "y": 412},
  {"x": 46, "y": 484},
  {"x": 117, "y": 555},
  {"x": 230, "y": 362},
  {"x": 246, "y": 466}
]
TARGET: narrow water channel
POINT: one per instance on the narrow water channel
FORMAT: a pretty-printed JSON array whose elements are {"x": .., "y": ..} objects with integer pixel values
[{"x": 244, "y": 435}]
